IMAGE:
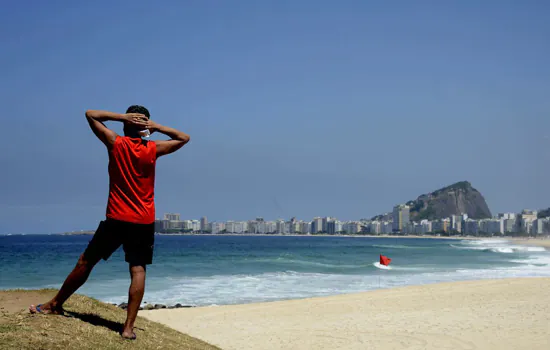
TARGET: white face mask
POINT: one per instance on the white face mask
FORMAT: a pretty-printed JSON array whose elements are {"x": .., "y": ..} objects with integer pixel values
[{"x": 144, "y": 133}]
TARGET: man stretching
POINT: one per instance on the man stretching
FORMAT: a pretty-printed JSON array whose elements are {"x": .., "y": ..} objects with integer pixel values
[{"x": 130, "y": 218}]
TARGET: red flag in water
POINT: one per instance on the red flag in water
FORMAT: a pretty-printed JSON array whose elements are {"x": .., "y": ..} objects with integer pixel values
[{"x": 384, "y": 260}]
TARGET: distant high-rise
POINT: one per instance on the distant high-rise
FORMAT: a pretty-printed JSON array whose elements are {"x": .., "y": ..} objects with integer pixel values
[
  {"x": 172, "y": 217},
  {"x": 456, "y": 223},
  {"x": 305, "y": 227},
  {"x": 525, "y": 220},
  {"x": 204, "y": 223},
  {"x": 325, "y": 222},
  {"x": 400, "y": 217},
  {"x": 317, "y": 225},
  {"x": 281, "y": 226}
]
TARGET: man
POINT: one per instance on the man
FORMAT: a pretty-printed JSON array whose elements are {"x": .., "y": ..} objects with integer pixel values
[{"x": 130, "y": 216}]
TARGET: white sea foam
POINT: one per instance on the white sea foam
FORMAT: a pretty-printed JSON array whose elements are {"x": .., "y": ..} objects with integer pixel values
[
  {"x": 495, "y": 246},
  {"x": 237, "y": 289},
  {"x": 396, "y": 246},
  {"x": 223, "y": 289}
]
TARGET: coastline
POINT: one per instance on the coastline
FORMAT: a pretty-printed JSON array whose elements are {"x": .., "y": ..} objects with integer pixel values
[
  {"x": 534, "y": 242},
  {"x": 460, "y": 315},
  {"x": 327, "y": 235},
  {"x": 88, "y": 232},
  {"x": 539, "y": 242}
]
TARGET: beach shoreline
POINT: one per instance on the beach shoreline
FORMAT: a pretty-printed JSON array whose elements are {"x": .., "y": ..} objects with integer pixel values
[
  {"x": 327, "y": 235},
  {"x": 541, "y": 242},
  {"x": 533, "y": 242},
  {"x": 481, "y": 314}
]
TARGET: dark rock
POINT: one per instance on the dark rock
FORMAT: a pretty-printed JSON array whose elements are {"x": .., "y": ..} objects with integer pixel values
[
  {"x": 140, "y": 308},
  {"x": 160, "y": 306},
  {"x": 456, "y": 199},
  {"x": 123, "y": 306},
  {"x": 178, "y": 305}
]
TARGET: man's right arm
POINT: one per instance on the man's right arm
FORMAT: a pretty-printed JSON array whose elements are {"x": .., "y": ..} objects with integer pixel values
[
  {"x": 107, "y": 136},
  {"x": 96, "y": 119},
  {"x": 178, "y": 139}
]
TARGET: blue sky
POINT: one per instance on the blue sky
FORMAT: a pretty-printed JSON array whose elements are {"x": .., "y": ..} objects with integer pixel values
[{"x": 295, "y": 108}]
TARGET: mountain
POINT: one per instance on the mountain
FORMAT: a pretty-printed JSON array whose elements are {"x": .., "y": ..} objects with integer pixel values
[{"x": 456, "y": 199}]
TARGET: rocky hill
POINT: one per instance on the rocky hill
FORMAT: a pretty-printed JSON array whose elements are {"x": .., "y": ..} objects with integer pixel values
[{"x": 455, "y": 199}]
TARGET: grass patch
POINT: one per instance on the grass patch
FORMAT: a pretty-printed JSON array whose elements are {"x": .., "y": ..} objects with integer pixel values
[{"x": 88, "y": 324}]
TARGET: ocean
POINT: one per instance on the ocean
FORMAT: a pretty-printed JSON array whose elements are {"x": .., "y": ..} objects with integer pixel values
[{"x": 219, "y": 270}]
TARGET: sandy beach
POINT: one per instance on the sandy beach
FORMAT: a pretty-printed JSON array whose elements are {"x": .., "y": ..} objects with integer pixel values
[
  {"x": 491, "y": 314},
  {"x": 538, "y": 242}
]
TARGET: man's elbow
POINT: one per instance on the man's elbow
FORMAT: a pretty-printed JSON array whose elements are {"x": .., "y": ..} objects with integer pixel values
[
  {"x": 89, "y": 113},
  {"x": 186, "y": 138}
]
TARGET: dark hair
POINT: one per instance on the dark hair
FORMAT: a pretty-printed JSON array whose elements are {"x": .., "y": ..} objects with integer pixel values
[
  {"x": 138, "y": 109},
  {"x": 130, "y": 130}
]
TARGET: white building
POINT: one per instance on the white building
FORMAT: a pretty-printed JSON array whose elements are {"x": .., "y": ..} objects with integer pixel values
[
  {"x": 525, "y": 220},
  {"x": 456, "y": 223},
  {"x": 426, "y": 226},
  {"x": 172, "y": 216},
  {"x": 375, "y": 227},
  {"x": 216, "y": 227},
  {"x": 281, "y": 227},
  {"x": 506, "y": 216},
  {"x": 387, "y": 227},
  {"x": 491, "y": 226},
  {"x": 236, "y": 226},
  {"x": 271, "y": 227},
  {"x": 352, "y": 227}
]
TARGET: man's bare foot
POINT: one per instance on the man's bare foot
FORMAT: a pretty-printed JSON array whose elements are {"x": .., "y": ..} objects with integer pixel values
[
  {"x": 46, "y": 309},
  {"x": 129, "y": 335}
]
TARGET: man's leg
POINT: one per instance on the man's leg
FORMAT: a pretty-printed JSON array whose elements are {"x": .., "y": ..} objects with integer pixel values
[
  {"x": 102, "y": 245},
  {"x": 135, "y": 295},
  {"x": 75, "y": 280}
]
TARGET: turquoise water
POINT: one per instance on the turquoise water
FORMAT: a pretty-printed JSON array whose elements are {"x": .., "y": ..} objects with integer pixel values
[{"x": 217, "y": 270}]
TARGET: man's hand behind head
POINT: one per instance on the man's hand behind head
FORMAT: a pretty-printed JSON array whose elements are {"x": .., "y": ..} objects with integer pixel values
[{"x": 136, "y": 119}]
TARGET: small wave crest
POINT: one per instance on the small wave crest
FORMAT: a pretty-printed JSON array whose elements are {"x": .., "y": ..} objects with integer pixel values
[
  {"x": 299, "y": 262},
  {"x": 496, "y": 246},
  {"x": 396, "y": 246}
]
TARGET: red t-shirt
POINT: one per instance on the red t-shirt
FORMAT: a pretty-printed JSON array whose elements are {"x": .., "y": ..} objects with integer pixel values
[{"x": 132, "y": 180}]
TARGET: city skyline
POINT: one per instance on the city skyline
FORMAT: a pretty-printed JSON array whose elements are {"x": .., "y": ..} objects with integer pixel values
[{"x": 525, "y": 222}]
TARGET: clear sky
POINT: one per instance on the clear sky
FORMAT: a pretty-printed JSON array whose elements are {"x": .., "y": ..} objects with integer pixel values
[{"x": 295, "y": 108}]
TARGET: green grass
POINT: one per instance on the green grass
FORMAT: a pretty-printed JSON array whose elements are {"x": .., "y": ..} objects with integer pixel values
[{"x": 88, "y": 324}]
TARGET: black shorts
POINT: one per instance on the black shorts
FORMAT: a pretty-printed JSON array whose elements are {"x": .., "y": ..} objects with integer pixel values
[{"x": 137, "y": 241}]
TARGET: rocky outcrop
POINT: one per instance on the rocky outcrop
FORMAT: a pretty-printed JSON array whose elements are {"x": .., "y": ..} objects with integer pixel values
[
  {"x": 124, "y": 306},
  {"x": 456, "y": 199},
  {"x": 459, "y": 198}
]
